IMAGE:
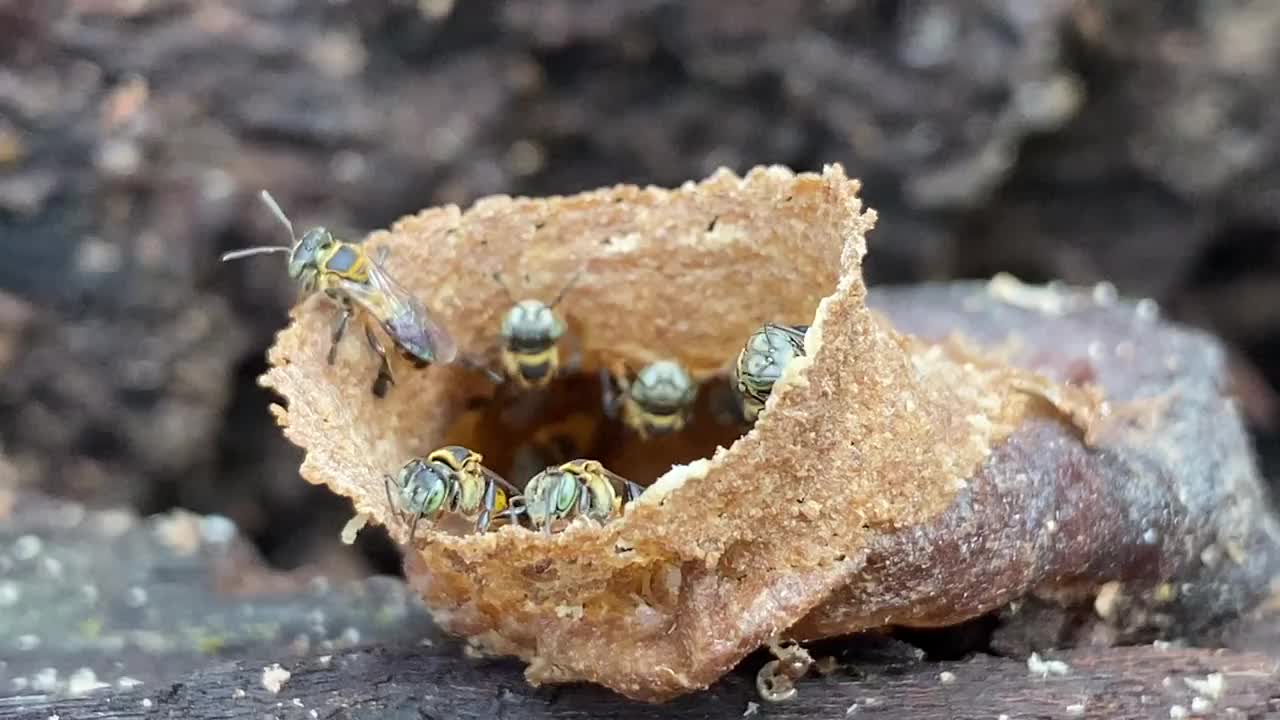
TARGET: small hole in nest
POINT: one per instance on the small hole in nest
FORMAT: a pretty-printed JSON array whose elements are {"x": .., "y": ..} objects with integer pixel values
[{"x": 528, "y": 431}]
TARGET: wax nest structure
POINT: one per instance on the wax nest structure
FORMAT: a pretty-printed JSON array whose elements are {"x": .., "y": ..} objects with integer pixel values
[{"x": 874, "y": 440}]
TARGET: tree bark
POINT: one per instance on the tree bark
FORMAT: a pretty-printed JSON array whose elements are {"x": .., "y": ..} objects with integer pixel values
[{"x": 434, "y": 682}]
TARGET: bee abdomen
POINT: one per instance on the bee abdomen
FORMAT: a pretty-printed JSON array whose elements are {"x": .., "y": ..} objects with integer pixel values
[
  {"x": 536, "y": 372},
  {"x": 534, "y": 369}
]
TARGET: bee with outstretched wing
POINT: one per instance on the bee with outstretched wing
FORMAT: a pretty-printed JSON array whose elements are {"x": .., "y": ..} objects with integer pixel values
[{"x": 353, "y": 280}]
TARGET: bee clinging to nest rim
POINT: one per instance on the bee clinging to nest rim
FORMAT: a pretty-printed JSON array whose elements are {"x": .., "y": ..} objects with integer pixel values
[
  {"x": 577, "y": 488},
  {"x": 453, "y": 480},
  {"x": 760, "y": 363},
  {"x": 873, "y": 438},
  {"x": 352, "y": 279}
]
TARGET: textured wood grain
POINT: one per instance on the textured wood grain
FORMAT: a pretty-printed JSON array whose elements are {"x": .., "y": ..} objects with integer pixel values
[{"x": 1141, "y": 682}]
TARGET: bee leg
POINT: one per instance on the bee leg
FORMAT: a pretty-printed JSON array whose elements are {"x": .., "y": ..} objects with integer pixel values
[
  {"x": 384, "y": 378},
  {"x": 474, "y": 364},
  {"x": 339, "y": 329},
  {"x": 487, "y": 505},
  {"x": 515, "y": 508},
  {"x": 386, "y": 485},
  {"x": 609, "y": 394},
  {"x": 413, "y": 526}
]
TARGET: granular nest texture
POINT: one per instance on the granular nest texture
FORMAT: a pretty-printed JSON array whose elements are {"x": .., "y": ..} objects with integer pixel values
[
  {"x": 1158, "y": 524},
  {"x": 873, "y": 440}
]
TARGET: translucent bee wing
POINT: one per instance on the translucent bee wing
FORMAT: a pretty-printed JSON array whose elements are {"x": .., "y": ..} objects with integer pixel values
[
  {"x": 631, "y": 491},
  {"x": 620, "y": 484},
  {"x": 500, "y": 482},
  {"x": 403, "y": 316}
]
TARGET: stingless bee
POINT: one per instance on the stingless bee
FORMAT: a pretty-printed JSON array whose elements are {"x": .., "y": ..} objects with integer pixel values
[
  {"x": 658, "y": 402},
  {"x": 348, "y": 276},
  {"x": 453, "y": 480},
  {"x": 761, "y": 362},
  {"x": 530, "y": 335},
  {"x": 576, "y": 488}
]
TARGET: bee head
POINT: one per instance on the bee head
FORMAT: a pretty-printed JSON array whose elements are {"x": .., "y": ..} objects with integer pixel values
[
  {"x": 531, "y": 325},
  {"x": 664, "y": 387},
  {"x": 551, "y": 495},
  {"x": 306, "y": 253},
  {"x": 763, "y": 359},
  {"x": 424, "y": 486}
]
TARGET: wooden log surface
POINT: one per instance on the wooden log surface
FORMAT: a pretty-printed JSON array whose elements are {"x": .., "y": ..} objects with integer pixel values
[
  {"x": 434, "y": 682},
  {"x": 377, "y": 655}
]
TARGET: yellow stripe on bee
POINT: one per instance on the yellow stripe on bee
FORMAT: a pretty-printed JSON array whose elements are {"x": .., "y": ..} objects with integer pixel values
[
  {"x": 672, "y": 422},
  {"x": 637, "y": 417},
  {"x": 517, "y": 365},
  {"x": 446, "y": 456}
]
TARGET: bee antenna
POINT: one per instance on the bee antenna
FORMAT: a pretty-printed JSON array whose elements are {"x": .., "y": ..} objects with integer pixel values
[
  {"x": 505, "y": 288},
  {"x": 258, "y": 250},
  {"x": 274, "y": 207},
  {"x": 568, "y": 286}
]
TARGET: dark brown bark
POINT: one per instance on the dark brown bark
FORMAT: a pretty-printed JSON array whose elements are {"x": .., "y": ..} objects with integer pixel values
[{"x": 1143, "y": 682}]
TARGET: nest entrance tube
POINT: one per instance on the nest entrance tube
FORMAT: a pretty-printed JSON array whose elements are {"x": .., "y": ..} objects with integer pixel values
[
  {"x": 832, "y": 515},
  {"x": 720, "y": 554}
]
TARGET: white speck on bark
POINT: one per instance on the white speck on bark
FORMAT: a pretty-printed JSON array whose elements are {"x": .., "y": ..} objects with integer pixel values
[
  {"x": 27, "y": 547},
  {"x": 9, "y": 593},
  {"x": 274, "y": 677},
  {"x": 84, "y": 681},
  {"x": 1211, "y": 686}
]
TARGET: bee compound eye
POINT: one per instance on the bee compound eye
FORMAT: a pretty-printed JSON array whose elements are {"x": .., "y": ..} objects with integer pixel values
[{"x": 567, "y": 493}]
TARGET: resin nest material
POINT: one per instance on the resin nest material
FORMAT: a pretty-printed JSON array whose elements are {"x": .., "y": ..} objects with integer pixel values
[{"x": 892, "y": 479}]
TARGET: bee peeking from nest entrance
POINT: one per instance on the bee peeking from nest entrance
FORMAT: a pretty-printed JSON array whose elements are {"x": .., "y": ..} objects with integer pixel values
[{"x": 577, "y": 514}]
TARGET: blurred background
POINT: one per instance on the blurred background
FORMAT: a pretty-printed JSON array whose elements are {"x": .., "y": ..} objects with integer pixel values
[{"x": 1082, "y": 140}]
